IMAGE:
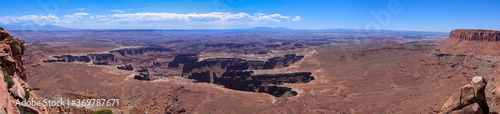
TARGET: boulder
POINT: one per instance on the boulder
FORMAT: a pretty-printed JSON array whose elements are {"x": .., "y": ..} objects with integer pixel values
[
  {"x": 468, "y": 99},
  {"x": 125, "y": 67},
  {"x": 17, "y": 90},
  {"x": 4, "y": 33}
]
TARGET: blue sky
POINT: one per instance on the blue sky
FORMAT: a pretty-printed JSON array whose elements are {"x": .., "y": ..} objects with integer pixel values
[{"x": 419, "y": 15}]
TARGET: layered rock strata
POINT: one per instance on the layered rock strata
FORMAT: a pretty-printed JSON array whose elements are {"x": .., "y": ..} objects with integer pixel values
[
  {"x": 474, "y": 42},
  {"x": 235, "y": 73},
  {"x": 475, "y": 35},
  {"x": 14, "y": 88},
  {"x": 105, "y": 58}
]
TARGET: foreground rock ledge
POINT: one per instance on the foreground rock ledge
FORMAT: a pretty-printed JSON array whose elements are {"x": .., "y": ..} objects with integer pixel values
[
  {"x": 468, "y": 99},
  {"x": 11, "y": 63}
]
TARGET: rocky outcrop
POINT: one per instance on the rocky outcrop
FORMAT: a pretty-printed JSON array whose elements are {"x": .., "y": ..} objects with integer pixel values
[
  {"x": 14, "y": 87},
  {"x": 137, "y": 51},
  {"x": 477, "y": 51},
  {"x": 472, "y": 42},
  {"x": 105, "y": 58},
  {"x": 235, "y": 73},
  {"x": 182, "y": 58},
  {"x": 264, "y": 83},
  {"x": 475, "y": 35},
  {"x": 240, "y": 64},
  {"x": 143, "y": 74},
  {"x": 128, "y": 67},
  {"x": 96, "y": 59},
  {"x": 469, "y": 99}
]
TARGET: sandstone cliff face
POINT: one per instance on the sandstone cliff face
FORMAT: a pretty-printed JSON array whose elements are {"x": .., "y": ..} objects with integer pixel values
[
  {"x": 474, "y": 42},
  {"x": 235, "y": 73},
  {"x": 105, "y": 58},
  {"x": 14, "y": 72},
  {"x": 475, "y": 35},
  {"x": 478, "y": 50},
  {"x": 470, "y": 99}
]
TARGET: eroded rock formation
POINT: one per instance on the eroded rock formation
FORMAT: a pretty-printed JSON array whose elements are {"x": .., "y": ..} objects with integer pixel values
[
  {"x": 136, "y": 51},
  {"x": 469, "y": 99},
  {"x": 105, "y": 58},
  {"x": 473, "y": 49},
  {"x": 235, "y": 73},
  {"x": 14, "y": 86},
  {"x": 128, "y": 67},
  {"x": 143, "y": 74},
  {"x": 475, "y": 35},
  {"x": 182, "y": 58},
  {"x": 473, "y": 42},
  {"x": 96, "y": 59}
]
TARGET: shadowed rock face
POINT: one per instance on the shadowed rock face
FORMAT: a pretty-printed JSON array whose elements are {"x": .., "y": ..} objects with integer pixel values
[
  {"x": 143, "y": 74},
  {"x": 265, "y": 83},
  {"x": 182, "y": 58},
  {"x": 128, "y": 67},
  {"x": 473, "y": 49},
  {"x": 96, "y": 59},
  {"x": 240, "y": 64},
  {"x": 105, "y": 58},
  {"x": 234, "y": 73},
  {"x": 137, "y": 51},
  {"x": 13, "y": 87},
  {"x": 469, "y": 99}
]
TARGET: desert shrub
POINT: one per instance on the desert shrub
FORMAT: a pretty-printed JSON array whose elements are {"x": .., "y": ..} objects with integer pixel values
[
  {"x": 26, "y": 93},
  {"x": 1, "y": 28},
  {"x": 104, "y": 111},
  {"x": 7, "y": 78}
]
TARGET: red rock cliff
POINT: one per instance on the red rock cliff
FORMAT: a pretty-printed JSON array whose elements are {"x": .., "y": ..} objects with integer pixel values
[
  {"x": 472, "y": 42},
  {"x": 475, "y": 35},
  {"x": 14, "y": 87}
]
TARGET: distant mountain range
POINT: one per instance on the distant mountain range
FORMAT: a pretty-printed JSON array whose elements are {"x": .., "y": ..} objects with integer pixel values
[
  {"x": 34, "y": 27},
  {"x": 254, "y": 29}
]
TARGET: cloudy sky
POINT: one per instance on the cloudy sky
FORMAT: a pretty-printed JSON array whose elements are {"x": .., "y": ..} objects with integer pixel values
[{"x": 420, "y": 15}]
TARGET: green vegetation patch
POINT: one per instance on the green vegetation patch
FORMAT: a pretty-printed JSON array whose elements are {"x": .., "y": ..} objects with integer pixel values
[
  {"x": 26, "y": 93},
  {"x": 104, "y": 111},
  {"x": 7, "y": 78}
]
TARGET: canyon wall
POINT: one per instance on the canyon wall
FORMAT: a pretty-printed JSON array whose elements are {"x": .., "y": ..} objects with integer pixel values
[
  {"x": 14, "y": 87},
  {"x": 474, "y": 42},
  {"x": 476, "y": 50},
  {"x": 235, "y": 73},
  {"x": 475, "y": 35},
  {"x": 105, "y": 58}
]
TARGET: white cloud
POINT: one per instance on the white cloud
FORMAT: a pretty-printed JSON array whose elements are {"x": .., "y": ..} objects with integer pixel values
[
  {"x": 280, "y": 16},
  {"x": 119, "y": 11},
  {"x": 297, "y": 18},
  {"x": 76, "y": 15},
  {"x": 81, "y": 9},
  {"x": 80, "y": 14},
  {"x": 146, "y": 19},
  {"x": 26, "y": 19},
  {"x": 207, "y": 18}
]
